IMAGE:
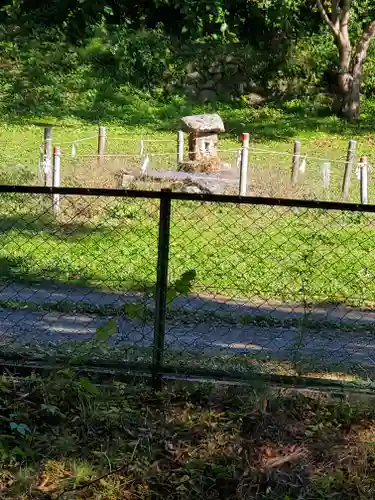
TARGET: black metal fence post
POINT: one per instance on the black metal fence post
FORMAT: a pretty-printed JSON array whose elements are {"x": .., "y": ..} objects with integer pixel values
[{"x": 161, "y": 288}]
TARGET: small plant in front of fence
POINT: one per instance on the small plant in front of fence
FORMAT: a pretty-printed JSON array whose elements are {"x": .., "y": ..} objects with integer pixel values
[
  {"x": 143, "y": 311},
  {"x": 305, "y": 271},
  {"x": 97, "y": 347}
]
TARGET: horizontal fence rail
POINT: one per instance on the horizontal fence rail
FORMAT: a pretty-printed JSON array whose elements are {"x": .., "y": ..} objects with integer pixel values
[
  {"x": 166, "y": 193},
  {"x": 189, "y": 285}
]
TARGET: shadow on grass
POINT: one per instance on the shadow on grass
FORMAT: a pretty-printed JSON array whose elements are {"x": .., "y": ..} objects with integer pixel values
[
  {"x": 14, "y": 271},
  {"x": 47, "y": 225}
]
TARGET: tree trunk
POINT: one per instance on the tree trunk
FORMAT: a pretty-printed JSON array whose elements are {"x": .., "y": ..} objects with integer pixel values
[
  {"x": 350, "y": 104},
  {"x": 350, "y": 72},
  {"x": 345, "y": 77},
  {"x": 349, "y": 83},
  {"x": 351, "y": 76}
]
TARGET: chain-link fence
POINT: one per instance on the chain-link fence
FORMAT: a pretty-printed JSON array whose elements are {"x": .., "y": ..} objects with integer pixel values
[{"x": 177, "y": 284}]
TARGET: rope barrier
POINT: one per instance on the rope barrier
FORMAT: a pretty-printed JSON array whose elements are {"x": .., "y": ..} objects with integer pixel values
[
  {"x": 77, "y": 141},
  {"x": 279, "y": 153}
]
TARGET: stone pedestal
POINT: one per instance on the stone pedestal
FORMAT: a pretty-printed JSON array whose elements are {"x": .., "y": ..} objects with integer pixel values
[{"x": 202, "y": 145}]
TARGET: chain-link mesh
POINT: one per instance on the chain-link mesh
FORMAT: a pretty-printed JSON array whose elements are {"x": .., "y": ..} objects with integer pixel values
[
  {"x": 252, "y": 289},
  {"x": 80, "y": 276},
  {"x": 276, "y": 289}
]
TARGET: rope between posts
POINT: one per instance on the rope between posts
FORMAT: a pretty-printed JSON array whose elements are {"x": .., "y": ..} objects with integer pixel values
[
  {"x": 278, "y": 153},
  {"x": 119, "y": 155},
  {"x": 315, "y": 158},
  {"x": 265, "y": 151},
  {"x": 131, "y": 137},
  {"x": 188, "y": 152},
  {"x": 159, "y": 140},
  {"x": 79, "y": 140}
]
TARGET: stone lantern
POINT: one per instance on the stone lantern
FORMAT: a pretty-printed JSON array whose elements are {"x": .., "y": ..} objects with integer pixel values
[{"x": 203, "y": 139}]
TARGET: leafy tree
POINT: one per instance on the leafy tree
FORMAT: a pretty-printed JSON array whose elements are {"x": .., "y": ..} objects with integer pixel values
[{"x": 352, "y": 24}]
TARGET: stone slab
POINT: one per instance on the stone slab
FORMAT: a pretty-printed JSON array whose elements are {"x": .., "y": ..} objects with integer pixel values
[
  {"x": 213, "y": 183},
  {"x": 202, "y": 123}
]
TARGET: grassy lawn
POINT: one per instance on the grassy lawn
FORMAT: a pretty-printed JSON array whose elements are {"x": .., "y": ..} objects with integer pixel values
[
  {"x": 313, "y": 256},
  {"x": 240, "y": 252},
  {"x": 272, "y": 129},
  {"x": 65, "y": 438}
]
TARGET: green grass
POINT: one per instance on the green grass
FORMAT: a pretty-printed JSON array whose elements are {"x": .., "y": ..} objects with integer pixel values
[
  {"x": 272, "y": 130},
  {"x": 243, "y": 252},
  {"x": 64, "y": 437}
]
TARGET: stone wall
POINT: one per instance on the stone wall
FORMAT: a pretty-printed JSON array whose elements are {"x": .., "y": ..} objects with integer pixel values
[{"x": 212, "y": 76}]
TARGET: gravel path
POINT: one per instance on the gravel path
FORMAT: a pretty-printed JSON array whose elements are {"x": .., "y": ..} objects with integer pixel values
[
  {"x": 327, "y": 346},
  {"x": 53, "y": 294},
  {"x": 278, "y": 343}
]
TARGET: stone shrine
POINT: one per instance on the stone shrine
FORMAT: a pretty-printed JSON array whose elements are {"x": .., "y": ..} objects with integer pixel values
[
  {"x": 203, "y": 139},
  {"x": 202, "y": 171}
]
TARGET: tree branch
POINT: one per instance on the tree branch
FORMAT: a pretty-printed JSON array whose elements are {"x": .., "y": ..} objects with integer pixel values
[
  {"x": 326, "y": 17},
  {"x": 335, "y": 14},
  {"x": 344, "y": 16},
  {"x": 369, "y": 33},
  {"x": 364, "y": 43},
  {"x": 343, "y": 23}
]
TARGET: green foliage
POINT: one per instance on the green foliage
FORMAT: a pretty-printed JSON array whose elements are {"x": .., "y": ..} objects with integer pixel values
[
  {"x": 368, "y": 86},
  {"x": 182, "y": 286},
  {"x": 136, "y": 311},
  {"x": 309, "y": 62},
  {"x": 87, "y": 386},
  {"x": 134, "y": 34},
  {"x": 94, "y": 349},
  {"x": 79, "y": 58},
  {"x": 22, "y": 429},
  {"x": 104, "y": 333}
]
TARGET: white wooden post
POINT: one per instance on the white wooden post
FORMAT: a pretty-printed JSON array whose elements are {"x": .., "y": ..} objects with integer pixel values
[
  {"x": 47, "y": 156},
  {"x": 56, "y": 178},
  {"x": 296, "y": 161},
  {"x": 180, "y": 147},
  {"x": 141, "y": 148},
  {"x": 363, "y": 170},
  {"x": 326, "y": 172},
  {"x": 101, "y": 144},
  {"x": 144, "y": 165},
  {"x": 244, "y": 164}
]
